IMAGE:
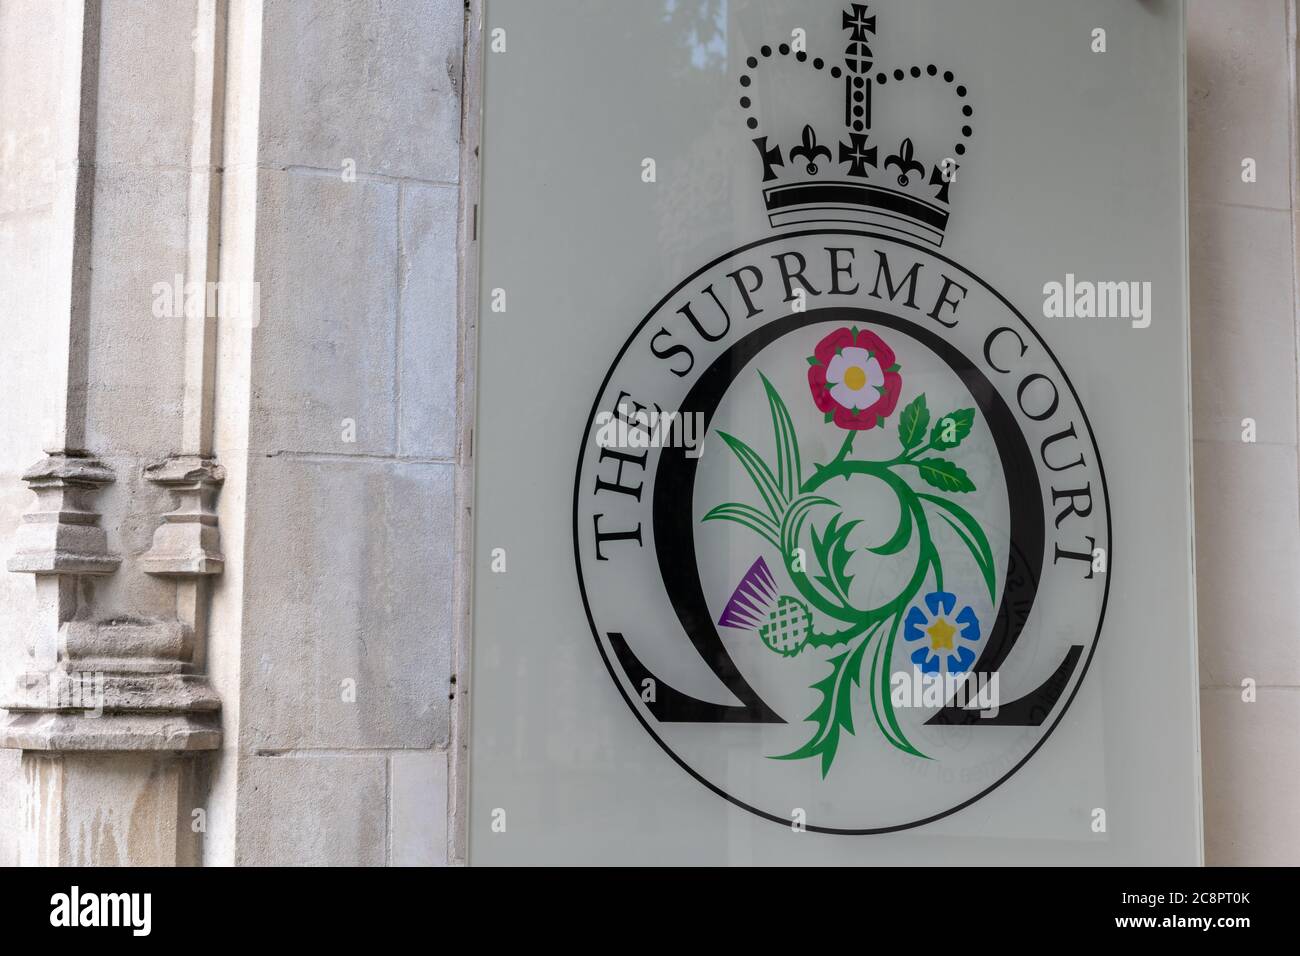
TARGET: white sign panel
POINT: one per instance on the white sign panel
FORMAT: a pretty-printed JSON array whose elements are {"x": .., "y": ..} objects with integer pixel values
[{"x": 832, "y": 450}]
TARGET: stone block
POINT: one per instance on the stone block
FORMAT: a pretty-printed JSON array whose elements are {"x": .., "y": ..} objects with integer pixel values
[
  {"x": 312, "y": 810},
  {"x": 136, "y": 359},
  {"x": 107, "y": 809},
  {"x": 429, "y": 342},
  {"x": 1249, "y": 764},
  {"x": 10, "y": 800},
  {"x": 146, "y": 84},
  {"x": 1239, "y": 93},
  {"x": 1247, "y": 563},
  {"x": 381, "y": 88},
  {"x": 417, "y": 808},
  {"x": 1243, "y": 323},
  {"x": 325, "y": 347},
  {"x": 348, "y": 592}
]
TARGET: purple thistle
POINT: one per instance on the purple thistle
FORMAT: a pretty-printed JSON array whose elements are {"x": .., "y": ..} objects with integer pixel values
[{"x": 752, "y": 599}]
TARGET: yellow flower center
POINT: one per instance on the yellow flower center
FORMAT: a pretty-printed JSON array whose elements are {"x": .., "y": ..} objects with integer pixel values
[
  {"x": 855, "y": 377},
  {"x": 941, "y": 633}
]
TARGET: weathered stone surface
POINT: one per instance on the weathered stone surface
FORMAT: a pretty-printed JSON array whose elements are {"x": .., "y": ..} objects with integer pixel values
[
  {"x": 1248, "y": 547},
  {"x": 380, "y": 89},
  {"x": 1248, "y": 759},
  {"x": 344, "y": 570},
  {"x": 29, "y": 33},
  {"x": 187, "y": 542},
  {"x": 78, "y": 734},
  {"x": 61, "y": 533},
  {"x": 312, "y": 810},
  {"x": 10, "y": 797},
  {"x": 360, "y": 553},
  {"x": 134, "y": 403},
  {"x": 1243, "y": 324},
  {"x": 1238, "y": 88},
  {"x": 146, "y": 83},
  {"x": 1243, "y": 341},
  {"x": 107, "y": 809},
  {"x": 117, "y": 686},
  {"x": 125, "y": 645},
  {"x": 324, "y": 353},
  {"x": 430, "y": 330}
]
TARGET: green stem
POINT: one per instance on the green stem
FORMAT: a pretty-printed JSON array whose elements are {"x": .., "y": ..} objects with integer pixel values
[
  {"x": 841, "y": 612},
  {"x": 908, "y": 499},
  {"x": 927, "y": 559},
  {"x": 841, "y": 637},
  {"x": 908, "y": 457},
  {"x": 880, "y": 701},
  {"x": 845, "y": 448}
]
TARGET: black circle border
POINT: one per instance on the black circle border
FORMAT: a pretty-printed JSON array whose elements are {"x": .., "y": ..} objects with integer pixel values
[{"x": 577, "y": 554}]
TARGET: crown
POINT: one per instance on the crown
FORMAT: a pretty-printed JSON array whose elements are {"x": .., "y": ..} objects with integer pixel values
[{"x": 861, "y": 174}]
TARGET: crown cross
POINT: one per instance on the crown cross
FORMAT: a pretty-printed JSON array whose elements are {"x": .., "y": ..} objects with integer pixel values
[
  {"x": 858, "y": 154},
  {"x": 806, "y": 181},
  {"x": 855, "y": 18}
]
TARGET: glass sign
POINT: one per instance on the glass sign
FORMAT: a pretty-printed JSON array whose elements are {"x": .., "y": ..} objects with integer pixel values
[{"x": 832, "y": 444}]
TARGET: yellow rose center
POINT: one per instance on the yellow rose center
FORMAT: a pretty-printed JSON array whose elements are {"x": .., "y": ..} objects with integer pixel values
[
  {"x": 855, "y": 377},
  {"x": 941, "y": 633}
]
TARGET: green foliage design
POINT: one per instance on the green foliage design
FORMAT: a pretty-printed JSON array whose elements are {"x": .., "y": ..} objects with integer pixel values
[{"x": 861, "y": 645}]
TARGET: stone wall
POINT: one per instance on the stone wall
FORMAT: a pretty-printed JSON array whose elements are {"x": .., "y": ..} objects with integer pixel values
[
  {"x": 31, "y": 35},
  {"x": 325, "y": 150},
  {"x": 310, "y": 149},
  {"x": 1242, "y": 104},
  {"x": 337, "y": 419}
]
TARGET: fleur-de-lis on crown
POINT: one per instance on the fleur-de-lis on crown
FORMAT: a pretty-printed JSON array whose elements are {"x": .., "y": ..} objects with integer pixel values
[
  {"x": 844, "y": 180},
  {"x": 905, "y": 163},
  {"x": 810, "y": 150}
]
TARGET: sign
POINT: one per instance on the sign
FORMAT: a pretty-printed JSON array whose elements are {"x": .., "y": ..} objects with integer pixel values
[{"x": 841, "y": 535}]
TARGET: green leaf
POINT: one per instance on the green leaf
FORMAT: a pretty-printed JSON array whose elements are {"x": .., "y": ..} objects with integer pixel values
[
  {"x": 835, "y": 712},
  {"x": 830, "y": 417},
  {"x": 961, "y": 422},
  {"x": 822, "y": 547},
  {"x": 758, "y": 472},
  {"x": 913, "y": 423},
  {"x": 943, "y": 474},
  {"x": 795, "y": 515},
  {"x": 746, "y": 515},
  {"x": 788, "y": 466},
  {"x": 840, "y": 555},
  {"x": 882, "y": 706},
  {"x": 812, "y": 360},
  {"x": 971, "y": 535},
  {"x": 833, "y": 554},
  {"x": 817, "y": 639}
]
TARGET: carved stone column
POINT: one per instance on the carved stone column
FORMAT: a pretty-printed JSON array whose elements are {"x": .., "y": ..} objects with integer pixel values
[
  {"x": 109, "y": 705},
  {"x": 113, "y": 710}
]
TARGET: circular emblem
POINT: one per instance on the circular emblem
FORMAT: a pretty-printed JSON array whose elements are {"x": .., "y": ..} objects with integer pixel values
[{"x": 841, "y": 531}]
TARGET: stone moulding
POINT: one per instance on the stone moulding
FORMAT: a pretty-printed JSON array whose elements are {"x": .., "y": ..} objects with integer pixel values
[
  {"x": 119, "y": 683},
  {"x": 72, "y": 732},
  {"x": 187, "y": 543},
  {"x": 61, "y": 532}
]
